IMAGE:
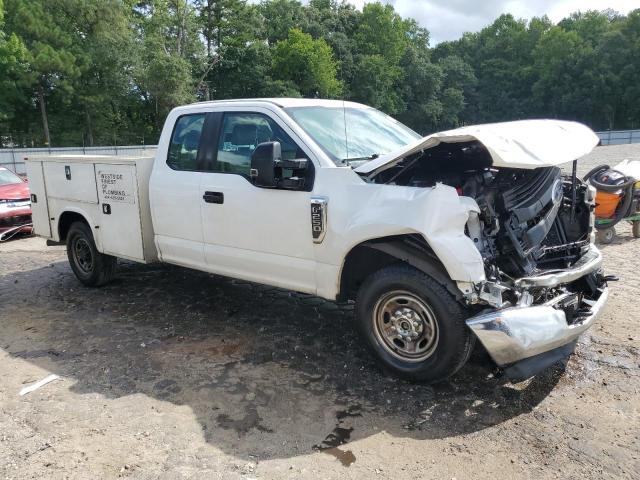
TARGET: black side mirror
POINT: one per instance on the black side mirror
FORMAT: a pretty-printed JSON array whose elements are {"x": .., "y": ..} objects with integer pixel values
[{"x": 263, "y": 163}]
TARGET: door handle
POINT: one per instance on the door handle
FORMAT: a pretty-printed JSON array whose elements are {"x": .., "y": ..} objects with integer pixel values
[{"x": 213, "y": 197}]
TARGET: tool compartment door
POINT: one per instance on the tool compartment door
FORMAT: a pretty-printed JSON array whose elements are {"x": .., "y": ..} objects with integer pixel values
[
  {"x": 39, "y": 205},
  {"x": 70, "y": 181},
  {"x": 120, "y": 223}
]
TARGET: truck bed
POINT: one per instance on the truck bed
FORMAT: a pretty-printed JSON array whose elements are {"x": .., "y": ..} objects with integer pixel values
[{"x": 110, "y": 192}]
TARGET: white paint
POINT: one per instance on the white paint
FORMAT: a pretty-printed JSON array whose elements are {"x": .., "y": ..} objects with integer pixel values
[
  {"x": 117, "y": 188},
  {"x": 34, "y": 386},
  {"x": 522, "y": 144},
  {"x": 264, "y": 235}
]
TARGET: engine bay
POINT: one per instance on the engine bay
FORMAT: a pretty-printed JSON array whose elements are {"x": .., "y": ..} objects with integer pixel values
[{"x": 530, "y": 220}]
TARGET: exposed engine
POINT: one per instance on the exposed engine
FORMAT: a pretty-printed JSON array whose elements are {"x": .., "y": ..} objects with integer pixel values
[{"x": 529, "y": 219}]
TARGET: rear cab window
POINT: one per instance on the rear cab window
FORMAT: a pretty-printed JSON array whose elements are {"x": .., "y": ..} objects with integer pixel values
[{"x": 185, "y": 141}]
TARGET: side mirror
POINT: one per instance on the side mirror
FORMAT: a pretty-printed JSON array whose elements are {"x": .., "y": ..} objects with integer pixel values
[{"x": 263, "y": 163}]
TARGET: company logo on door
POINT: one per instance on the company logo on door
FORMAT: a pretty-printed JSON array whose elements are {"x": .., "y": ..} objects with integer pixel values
[{"x": 116, "y": 187}]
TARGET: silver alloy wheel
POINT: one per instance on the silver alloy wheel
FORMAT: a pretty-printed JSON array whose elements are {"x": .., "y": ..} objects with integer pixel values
[
  {"x": 82, "y": 255},
  {"x": 405, "y": 326}
]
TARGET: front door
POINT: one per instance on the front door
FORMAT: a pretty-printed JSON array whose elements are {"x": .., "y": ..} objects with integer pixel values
[{"x": 258, "y": 234}]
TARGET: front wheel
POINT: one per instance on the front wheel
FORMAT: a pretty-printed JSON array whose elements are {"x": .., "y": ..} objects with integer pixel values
[
  {"x": 91, "y": 267},
  {"x": 414, "y": 327}
]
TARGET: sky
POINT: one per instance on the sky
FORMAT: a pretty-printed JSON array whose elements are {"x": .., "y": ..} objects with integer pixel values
[{"x": 449, "y": 19}]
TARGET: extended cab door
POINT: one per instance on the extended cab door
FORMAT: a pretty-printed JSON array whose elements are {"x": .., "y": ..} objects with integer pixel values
[
  {"x": 258, "y": 234},
  {"x": 174, "y": 191}
]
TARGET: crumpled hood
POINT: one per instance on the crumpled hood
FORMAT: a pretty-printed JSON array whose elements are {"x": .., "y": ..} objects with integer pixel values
[
  {"x": 14, "y": 191},
  {"x": 521, "y": 144}
]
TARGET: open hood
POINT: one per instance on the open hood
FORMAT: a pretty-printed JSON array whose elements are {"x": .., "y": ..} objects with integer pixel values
[{"x": 523, "y": 144}]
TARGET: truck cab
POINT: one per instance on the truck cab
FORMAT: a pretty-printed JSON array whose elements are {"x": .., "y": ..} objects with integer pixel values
[{"x": 471, "y": 234}]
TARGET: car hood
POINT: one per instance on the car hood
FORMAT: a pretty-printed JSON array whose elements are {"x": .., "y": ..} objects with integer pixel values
[
  {"x": 521, "y": 144},
  {"x": 14, "y": 191}
]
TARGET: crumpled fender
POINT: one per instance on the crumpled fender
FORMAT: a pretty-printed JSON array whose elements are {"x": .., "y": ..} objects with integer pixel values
[
  {"x": 445, "y": 216},
  {"x": 376, "y": 211}
]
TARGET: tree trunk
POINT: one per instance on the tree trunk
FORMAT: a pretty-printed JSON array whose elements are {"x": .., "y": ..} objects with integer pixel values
[
  {"x": 43, "y": 111},
  {"x": 89, "y": 128}
]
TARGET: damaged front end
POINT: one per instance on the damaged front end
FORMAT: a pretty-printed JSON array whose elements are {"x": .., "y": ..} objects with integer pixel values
[
  {"x": 543, "y": 283},
  {"x": 544, "y": 276}
]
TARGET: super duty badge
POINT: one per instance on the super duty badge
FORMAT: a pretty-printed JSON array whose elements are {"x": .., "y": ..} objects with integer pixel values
[{"x": 318, "y": 218}]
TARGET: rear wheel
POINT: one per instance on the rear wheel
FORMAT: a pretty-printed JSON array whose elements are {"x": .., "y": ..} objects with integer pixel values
[
  {"x": 414, "y": 327},
  {"x": 91, "y": 267}
]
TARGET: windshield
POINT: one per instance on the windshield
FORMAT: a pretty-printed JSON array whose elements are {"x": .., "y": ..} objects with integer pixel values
[
  {"x": 7, "y": 177},
  {"x": 367, "y": 133}
]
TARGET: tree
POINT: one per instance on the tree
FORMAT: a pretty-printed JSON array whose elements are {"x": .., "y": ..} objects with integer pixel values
[
  {"x": 459, "y": 90},
  {"x": 102, "y": 35},
  {"x": 101, "y": 71},
  {"x": 13, "y": 66},
  {"x": 421, "y": 85},
  {"x": 280, "y": 16},
  {"x": 170, "y": 54},
  {"x": 240, "y": 64},
  {"x": 381, "y": 31},
  {"x": 308, "y": 63},
  {"x": 42, "y": 28}
]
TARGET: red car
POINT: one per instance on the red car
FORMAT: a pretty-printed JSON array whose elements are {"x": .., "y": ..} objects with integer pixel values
[{"x": 15, "y": 205}]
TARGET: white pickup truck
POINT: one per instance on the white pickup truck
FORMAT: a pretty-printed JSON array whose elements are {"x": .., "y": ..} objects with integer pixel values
[{"x": 469, "y": 234}]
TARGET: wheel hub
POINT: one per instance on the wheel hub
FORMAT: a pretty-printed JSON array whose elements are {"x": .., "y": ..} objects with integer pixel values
[
  {"x": 83, "y": 256},
  {"x": 406, "y": 326}
]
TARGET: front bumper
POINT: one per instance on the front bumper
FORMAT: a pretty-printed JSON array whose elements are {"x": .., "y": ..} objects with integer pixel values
[
  {"x": 14, "y": 219},
  {"x": 515, "y": 333}
]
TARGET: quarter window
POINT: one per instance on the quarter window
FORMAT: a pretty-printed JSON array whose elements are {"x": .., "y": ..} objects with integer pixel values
[{"x": 183, "y": 150}]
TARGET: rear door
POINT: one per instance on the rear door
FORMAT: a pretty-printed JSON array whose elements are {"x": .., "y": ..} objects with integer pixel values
[
  {"x": 39, "y": 205},
  {"x": 174, "y": 191}
]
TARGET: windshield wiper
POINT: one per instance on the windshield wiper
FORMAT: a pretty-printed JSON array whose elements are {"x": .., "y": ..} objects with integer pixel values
[{"x": 347, "y": 161}]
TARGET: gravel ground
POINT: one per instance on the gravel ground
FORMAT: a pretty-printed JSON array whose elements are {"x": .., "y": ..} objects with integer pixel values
[{"x": 171, "y": 373}]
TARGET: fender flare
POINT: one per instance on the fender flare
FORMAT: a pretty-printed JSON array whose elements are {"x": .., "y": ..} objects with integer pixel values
[
  {"x": 415, "y": 251},
  {"x": 87, "y": 217}
]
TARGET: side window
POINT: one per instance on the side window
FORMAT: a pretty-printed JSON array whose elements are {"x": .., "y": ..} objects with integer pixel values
[
  {"x": 239, "y": 136},
  {"x": 183, "y": 150}
]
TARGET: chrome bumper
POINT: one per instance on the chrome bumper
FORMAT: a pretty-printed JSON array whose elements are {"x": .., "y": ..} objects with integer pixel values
[
  {"x": 516, "y": 333},
  {"x": 589, "y": 262}
]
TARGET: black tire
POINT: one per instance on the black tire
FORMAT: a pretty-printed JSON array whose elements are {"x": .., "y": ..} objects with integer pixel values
[
  {"x": 448, "y": 345},
  {"x": 606, "y": 235},
  {"x": 91, "y": 267}
]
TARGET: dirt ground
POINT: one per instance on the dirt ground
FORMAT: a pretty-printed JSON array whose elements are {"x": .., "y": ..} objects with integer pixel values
[{"x": 171, "y": 373}]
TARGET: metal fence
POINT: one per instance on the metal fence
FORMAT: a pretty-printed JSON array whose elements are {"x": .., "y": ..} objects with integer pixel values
[
  {"x": 618, "y": 137},
  {"x": 13, "y": 158}
]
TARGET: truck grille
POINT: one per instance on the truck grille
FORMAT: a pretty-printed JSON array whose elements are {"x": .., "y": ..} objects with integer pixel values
[
  {"x": 529, "y": 205},
  {"x": 532, "y": 193}
]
